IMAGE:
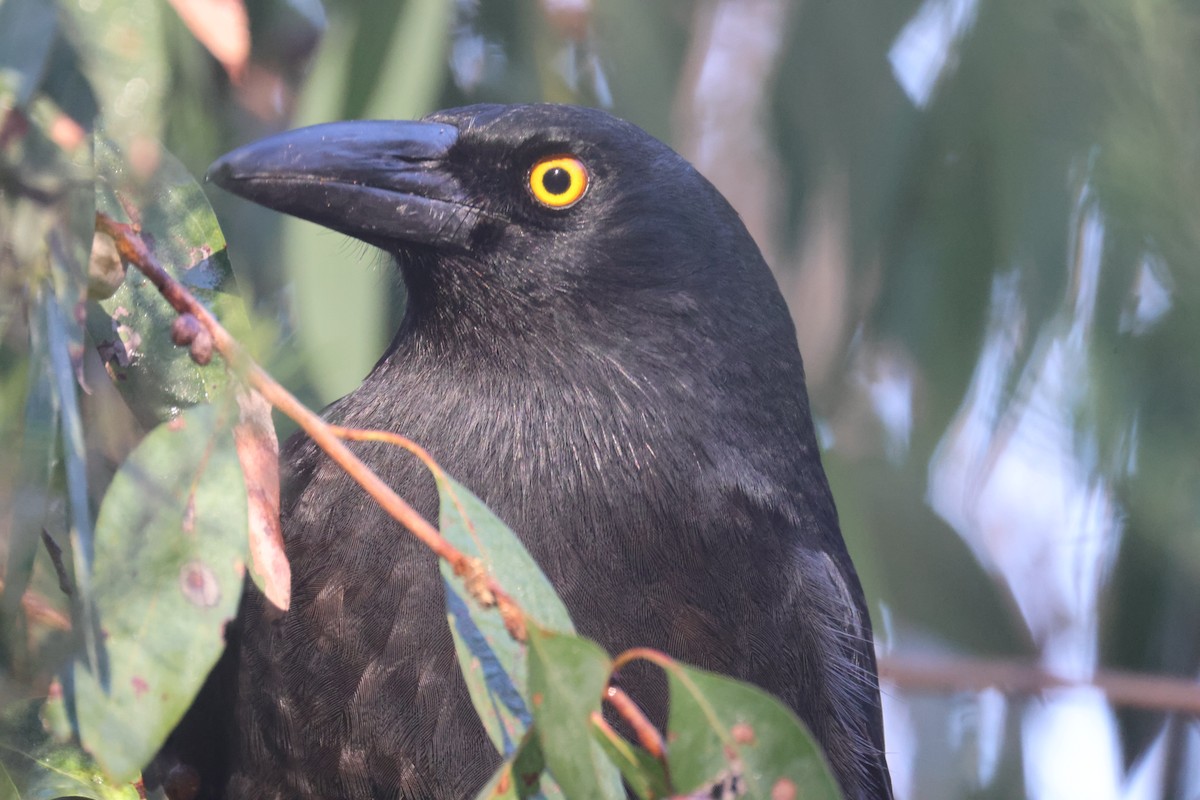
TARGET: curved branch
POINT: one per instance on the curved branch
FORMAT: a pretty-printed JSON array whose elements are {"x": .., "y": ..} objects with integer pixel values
[{"x": 648, "y": 735}]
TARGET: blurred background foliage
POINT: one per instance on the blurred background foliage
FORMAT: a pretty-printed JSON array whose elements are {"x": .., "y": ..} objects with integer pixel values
[{"x": 985, "y": 217}]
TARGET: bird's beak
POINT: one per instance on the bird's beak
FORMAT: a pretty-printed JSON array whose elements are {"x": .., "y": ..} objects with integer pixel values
[{"x": 382, "y": 182}]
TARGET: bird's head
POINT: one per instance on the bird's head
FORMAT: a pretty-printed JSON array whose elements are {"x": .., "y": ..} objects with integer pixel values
[{"x": 521, "y": 219}]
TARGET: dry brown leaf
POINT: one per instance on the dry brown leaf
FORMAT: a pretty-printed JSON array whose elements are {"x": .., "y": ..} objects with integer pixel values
[
  {"x": 223, "y": 27},
  {"x": 258, "y": 452}
]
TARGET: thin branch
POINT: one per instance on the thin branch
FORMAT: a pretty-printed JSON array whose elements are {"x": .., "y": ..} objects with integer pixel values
[
  {"x": 472, "y": 570},
  {"x": 648, "y": 735},
  {"x": 944, "y": 675},
  {"x": 656, "y": 657},
  {"x": 484, "y": 588}
]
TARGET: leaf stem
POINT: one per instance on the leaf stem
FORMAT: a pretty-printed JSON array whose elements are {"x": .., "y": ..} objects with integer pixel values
[
  {"x": 648, "y": 735},
  {"x": 942, "y": 675}
]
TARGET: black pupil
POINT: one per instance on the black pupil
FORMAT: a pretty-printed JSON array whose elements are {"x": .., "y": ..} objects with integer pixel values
[{"x": 556, "y": 180}]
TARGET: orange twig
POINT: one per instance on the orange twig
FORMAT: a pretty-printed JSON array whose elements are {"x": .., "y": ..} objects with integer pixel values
[
  {"x": 38, "y": 609},
  {"x": 656, "y": 657},
  {"x": 648, "y": 735},
  {"x": 474, "y": 573},
  {"x": 484, "y": 588}
]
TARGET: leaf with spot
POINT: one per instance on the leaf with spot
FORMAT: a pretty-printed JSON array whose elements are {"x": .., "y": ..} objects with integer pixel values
[
  {"x": 522, "y": 775},
  {"x": 131, "y": 323},
  {"x": 170, "y": 558},
  {"x": 723, "y": 731}
]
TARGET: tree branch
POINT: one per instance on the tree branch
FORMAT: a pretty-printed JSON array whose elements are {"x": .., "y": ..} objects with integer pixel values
[{"x": 945, "y": 675}]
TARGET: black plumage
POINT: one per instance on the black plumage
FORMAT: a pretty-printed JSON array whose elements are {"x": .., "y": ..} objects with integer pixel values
[{"x": 618, "y": 379}]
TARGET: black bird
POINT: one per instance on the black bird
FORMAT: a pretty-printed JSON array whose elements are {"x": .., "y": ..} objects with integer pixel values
[{"x": 594, "y": 345}]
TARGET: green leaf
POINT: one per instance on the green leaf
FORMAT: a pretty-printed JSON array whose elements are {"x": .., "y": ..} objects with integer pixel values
[
  {"x": 492, "y": 663},
  {"x": 472, "y": 527},
  {"x": 35, "y": 767},
  {"x": 567, "y": 676},
  {"x": 482, "y": 658},
  {"x": 170, "y": 559},
  {"x": 495, "y": 667},
  {"x": 58, "y": 336},
  {"x": 30, "y": 498},
  {"x": 643, "y": 773},
  {"x": 131, "y": 328},
  {"x": 722, "y": 730},
  {"x": 522, "y": 775},
  {"x": 8, "y": 787}
]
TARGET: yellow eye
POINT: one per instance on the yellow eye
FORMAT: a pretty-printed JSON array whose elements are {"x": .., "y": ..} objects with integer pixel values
[{"x": 558, "y": 181}]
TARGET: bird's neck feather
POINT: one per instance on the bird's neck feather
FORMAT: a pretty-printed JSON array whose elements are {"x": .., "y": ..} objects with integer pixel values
[{"x": 597, "y": 420}]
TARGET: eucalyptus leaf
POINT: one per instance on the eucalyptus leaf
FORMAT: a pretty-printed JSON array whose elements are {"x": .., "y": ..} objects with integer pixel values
[
  {"x": 31, "y": 495},
  {"x": 170, "y": 561},
  {"x": 58, "y": 327},
  {"x": 567, "y": 677},
  {"x": 522, "y": 775},
  {"x": 68, "y": 86},
  {"x": 725, "y": 732},
  {"x": 493, "y": 664},
  {"x": 124, "y": 52},
  {"x": 643, "y": 773}
]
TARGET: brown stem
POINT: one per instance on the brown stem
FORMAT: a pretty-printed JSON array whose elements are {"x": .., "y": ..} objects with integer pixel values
[
  {"x": 482, "y": 586},
  {"x": 647, "y": 735},
  {"x": 38, "y": 609},
  {"x": 657, "y": 657},
  {"x": 943, "y": 675},
  {"x": 472, "y": 570}
]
